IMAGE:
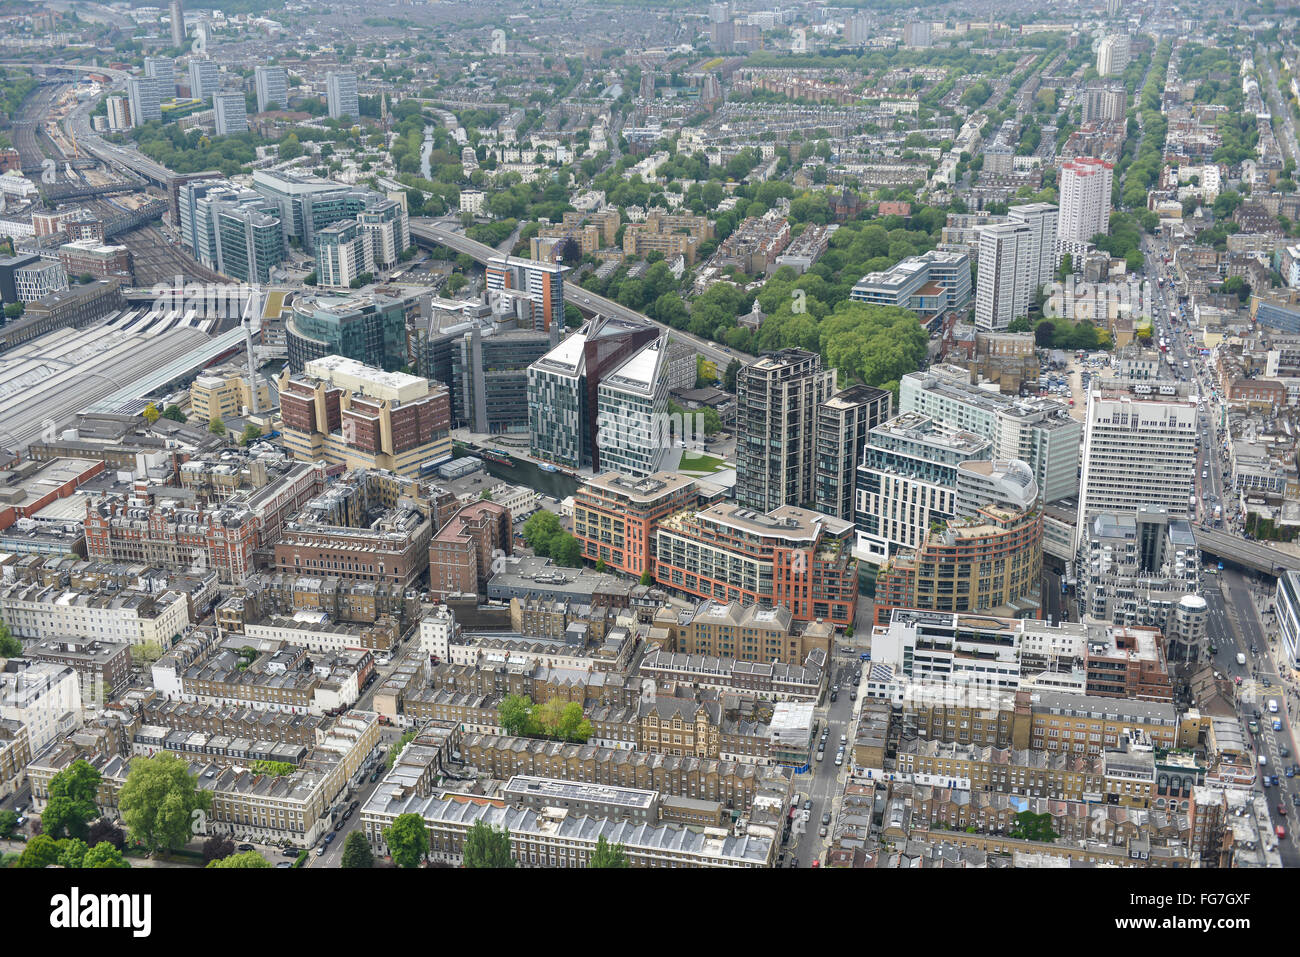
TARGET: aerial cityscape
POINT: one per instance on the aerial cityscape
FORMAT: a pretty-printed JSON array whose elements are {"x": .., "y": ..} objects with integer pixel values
[{"x": 649, "y": 434}]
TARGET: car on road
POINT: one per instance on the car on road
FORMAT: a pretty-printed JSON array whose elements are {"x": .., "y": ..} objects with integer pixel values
[
  {"x": 245, "y": 847},
  {"x": 821, "y": 831},
  {"x": 807, "y": 804},
  {"x": 1281, "y": 809},
  {"x": 826, "y": 818}
]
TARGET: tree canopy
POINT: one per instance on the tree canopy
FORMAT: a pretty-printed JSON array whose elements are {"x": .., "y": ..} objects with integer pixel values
[
  {"x": 408, "y": 840},
  {"x": 159, "y": 799},
  {"x": 486, "y": 846}
]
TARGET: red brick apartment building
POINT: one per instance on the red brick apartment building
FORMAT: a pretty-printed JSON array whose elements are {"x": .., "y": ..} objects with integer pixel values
[{"x": 460, "y": 555}]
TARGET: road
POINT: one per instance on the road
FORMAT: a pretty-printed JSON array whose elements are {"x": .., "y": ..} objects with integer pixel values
[
  {"x": 446, "y": 233},
  {"x": 1279, "y": 109},
  {"x": 1234, "y": 625},
  {"x": 1252, "y": 640},
  {"x": 333, "y": 856},
  {"x": 825, "y": 784}
]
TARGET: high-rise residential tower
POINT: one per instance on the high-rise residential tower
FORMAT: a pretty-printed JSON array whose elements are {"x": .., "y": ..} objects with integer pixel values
[{"x": 777, "y": 397}]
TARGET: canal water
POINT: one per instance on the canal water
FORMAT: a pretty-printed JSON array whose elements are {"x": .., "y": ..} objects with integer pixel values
[{"x": 555, "y": 484}]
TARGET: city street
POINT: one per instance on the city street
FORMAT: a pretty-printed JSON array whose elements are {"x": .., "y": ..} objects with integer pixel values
[{"x": 825, "y": 782}]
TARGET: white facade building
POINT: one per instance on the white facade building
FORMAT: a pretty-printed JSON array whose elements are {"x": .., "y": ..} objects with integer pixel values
[
  {"x": 1139, "y": 448},
  {"x": 1002, "y": 292}
]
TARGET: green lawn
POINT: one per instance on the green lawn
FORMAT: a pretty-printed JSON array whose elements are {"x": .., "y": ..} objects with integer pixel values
[{"x": 701, "y": 463}]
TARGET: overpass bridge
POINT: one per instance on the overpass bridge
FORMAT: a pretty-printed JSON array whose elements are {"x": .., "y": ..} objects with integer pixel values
[
  {"x": 431, "y": 234},
  {"x": 1255, "y": 556}
]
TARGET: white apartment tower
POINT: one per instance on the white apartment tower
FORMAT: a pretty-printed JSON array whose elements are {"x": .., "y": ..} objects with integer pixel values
[
  {"x": 144, "y": 97},
  {"x": 341, "y": 93},
  {"x": 1139, "y": 448},
  {"x": 1113, "y": 54},
  {"x": 205, "y": 78},
  {"x": 230, "y": 113},
  {"x": 1085, "y": 203},
  {"x": 119, "y": 113},
  {"x": 1041, "y": 218},
  {"x": 1003, "y": 291},
  {"x": 272, "y": 85}
]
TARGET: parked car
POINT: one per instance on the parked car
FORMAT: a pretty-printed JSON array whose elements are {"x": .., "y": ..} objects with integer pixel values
[
  {"x": 286, "y": 864},
  {"x": 290, "y": 852},
  {"x": 826, "y": 818},
  {"x": 245, "y": 847},
  {"x": 329, "y": 838}
]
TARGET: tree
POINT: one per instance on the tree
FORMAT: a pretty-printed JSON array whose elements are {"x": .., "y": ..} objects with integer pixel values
[
  {"x": 567, "y": 550},
  {"x": 102, "y": 855},
  {"x": 356, "y": 851},
  {"x": 485, "y": 846},
  {"x": 408, "y": 840},
  {"x": 573, "y": 724},
  {"x": 104, "y": 831},
  {"x": 246, "y": 859},
  {"x": 174, "y": 413},
  {"x": 217, "y": 427},
  {"x": 8, "y": 824},
  {"x": 72, "y": 801},
  {"x": 1033, "y": 827},
  {"x": 158, "y": 802},
  {"x": 608, "y": 855},
  {"x": 290, "y": 148},
  {"x": 600, "y": 565},
  {"x": 647, "y": 578},
  {"x": 217, "y": 847},
  {"x": 396, "y": 750},
  {"x": 151, "y": 413},
  {"x": 515, "y": 714},
  {"x": 251, "y": 433},
  {"x": 541, "y": 528},
  {"x": 72, "y": 853},
  {"x": 13, "y": 310},
  {"x": 1020, "y": 324},
  {"x": 10, "y": 647},
  {"x": 41, "y": 851},
  {"x": 729, "y": 377}
]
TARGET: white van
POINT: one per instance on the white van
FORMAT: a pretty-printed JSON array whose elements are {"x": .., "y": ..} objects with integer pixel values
[
  {"x": 1272, "y": 705},
  {"x": 1241, "y": 658}
]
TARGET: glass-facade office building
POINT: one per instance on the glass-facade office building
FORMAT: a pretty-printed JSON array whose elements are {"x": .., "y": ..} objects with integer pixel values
[{"x": 370, "y": 329}]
